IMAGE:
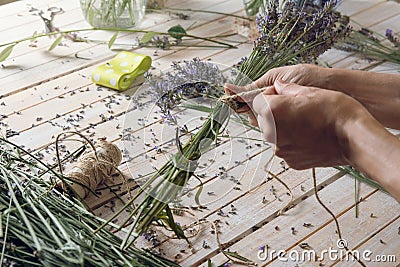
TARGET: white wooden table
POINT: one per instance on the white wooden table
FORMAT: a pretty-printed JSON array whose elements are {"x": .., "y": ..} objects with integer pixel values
[{"x": 43, "y": 94}]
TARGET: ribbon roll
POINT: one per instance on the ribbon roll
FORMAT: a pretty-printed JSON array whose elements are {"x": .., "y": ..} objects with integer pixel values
[{"x": 121, "y": 71}]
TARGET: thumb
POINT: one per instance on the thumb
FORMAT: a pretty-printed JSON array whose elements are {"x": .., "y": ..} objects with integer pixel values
[{"x": 285, "y": 88}]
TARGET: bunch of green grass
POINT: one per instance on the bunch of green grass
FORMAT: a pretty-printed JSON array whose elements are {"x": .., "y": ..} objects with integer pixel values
[{"x": 39, "y": 226}]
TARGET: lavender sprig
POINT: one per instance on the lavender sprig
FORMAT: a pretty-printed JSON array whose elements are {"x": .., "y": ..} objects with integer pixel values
[{"x": 373, "y": 45}]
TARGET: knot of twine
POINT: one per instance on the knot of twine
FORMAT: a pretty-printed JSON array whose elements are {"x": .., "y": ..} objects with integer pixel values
[
  {"x": 93, "y": 168},
  {"x": 232, "y": 100}
]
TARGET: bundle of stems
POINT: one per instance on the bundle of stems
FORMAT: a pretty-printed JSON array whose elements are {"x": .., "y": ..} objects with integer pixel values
[
  {"x": 39, "y": 226},
  {"x": 373, "y": 45},
  {"x": 288, "y": 35}
]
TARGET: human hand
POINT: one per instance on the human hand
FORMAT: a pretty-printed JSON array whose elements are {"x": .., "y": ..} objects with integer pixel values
[
  {"x": 310, "y": 123},
  {"x": 302, "y": 74},
  {"x": 379, "y": 93}
]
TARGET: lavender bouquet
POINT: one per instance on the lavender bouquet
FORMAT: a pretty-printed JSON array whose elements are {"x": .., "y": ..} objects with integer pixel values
[{"x": 292, "y": 34}]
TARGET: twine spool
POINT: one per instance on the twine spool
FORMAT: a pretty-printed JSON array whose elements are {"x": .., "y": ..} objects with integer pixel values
[{"x": 94, "y": 168}]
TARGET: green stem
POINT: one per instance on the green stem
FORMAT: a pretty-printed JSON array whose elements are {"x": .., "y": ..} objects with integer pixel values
[{"x": 209, "y": 39}]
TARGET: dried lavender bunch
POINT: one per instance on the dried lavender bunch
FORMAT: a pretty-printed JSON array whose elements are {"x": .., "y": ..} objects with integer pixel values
[
  {"x": 42, "y": 227},
  {"x": 293, "y": 34},
  {"x": 373, "y": 45},
  {"x": 289, "y": 35}
]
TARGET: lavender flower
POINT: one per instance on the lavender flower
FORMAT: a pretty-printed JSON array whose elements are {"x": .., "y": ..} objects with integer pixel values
[
  {"x": 186, "y": 80},
  {"x": 394, "y": 40}
]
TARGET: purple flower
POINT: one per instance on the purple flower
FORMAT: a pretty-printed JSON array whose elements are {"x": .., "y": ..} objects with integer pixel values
[{"x": 187, "y": 79}]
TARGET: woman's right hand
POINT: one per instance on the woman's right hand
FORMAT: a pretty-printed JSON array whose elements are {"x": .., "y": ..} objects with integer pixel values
[{"x": 379, "y": 93}]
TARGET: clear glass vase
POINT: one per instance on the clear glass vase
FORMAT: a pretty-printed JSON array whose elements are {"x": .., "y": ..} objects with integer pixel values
[{"x": 113, "y": 13}]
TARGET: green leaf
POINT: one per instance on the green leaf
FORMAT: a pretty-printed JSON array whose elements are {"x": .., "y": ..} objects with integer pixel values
[
  {"x": 34, "y": 37},
  {"x": 6, "y": 52},
  {"x": 177, "y": 31},
  {"x": 174, "y": 226},
  {"x": 112, "y": 40},
  {"x": 198, "y": 193},
  {"x": 56, "y": 42},
  {"x": 147, "y": 37},
  {"x": 198, "y": 107},
  {"x": 237, "y": 256}
]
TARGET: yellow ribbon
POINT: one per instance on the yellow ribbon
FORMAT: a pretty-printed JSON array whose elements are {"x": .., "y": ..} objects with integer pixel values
[{"x": 122, "y": 70}]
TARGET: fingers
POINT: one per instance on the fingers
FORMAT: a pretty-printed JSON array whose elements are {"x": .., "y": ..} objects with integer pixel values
[
  {"x": 232, "y": 89},
  {"x": 252, "y": 119},
  {"x": 265, "y": 118},
  {"x": 262, "y": 103},
  {"x": 267, "y": 126},
  {"x": 292, "y": 89},
  {"x": 248, "y": 92}
]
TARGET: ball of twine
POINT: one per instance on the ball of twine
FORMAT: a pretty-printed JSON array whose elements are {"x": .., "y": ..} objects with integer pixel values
[{"x": 93, "y": 168}]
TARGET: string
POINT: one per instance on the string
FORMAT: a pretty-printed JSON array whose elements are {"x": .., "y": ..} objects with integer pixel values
[
  {"x": 334, "y": 218},
  {"x": 93, "y": 168}
]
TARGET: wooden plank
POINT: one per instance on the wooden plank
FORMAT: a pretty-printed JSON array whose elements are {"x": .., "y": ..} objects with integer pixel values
[
  {"x": 351, "y": 8},
  {"x": 342, "y": 59},
  {"x": 16, "y": 7},
  {"x": 390, "y": 23},
  {"x": 35, "y": 23},
  {"x": 143, "y": 157},
  {"x": 74, "y": 82},
  {"x": 67, "y": 66},
  {"x": 91, "y": 116},
  {"x": 354, "y": 230},
  {"x": 384, "y": 247},
  {"x": 387, "y": 68},
  {"x": 219, "y": 28},
  {"x": 248, "y": 215},
  {"x": 277, "y": 233},
  {"x": 377, "y": 13}
]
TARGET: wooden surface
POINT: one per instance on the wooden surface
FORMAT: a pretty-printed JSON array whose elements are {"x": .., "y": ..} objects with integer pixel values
[{"x": 45, "y": 93}]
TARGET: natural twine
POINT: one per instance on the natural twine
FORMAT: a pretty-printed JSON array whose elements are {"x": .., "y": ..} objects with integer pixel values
[
  {"x": 92, "y": 168},
  {"x": 231, "y": 100}
]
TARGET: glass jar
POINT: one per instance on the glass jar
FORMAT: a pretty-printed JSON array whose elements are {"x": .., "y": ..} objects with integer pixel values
[{"x": 113, "y": 13}]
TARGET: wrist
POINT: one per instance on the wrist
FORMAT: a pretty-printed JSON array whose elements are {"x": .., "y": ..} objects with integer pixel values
[
  {"x": 371, "y": 149},
  {"x": 334, "y": 79},
  {"x": 352, "y": 138}
]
